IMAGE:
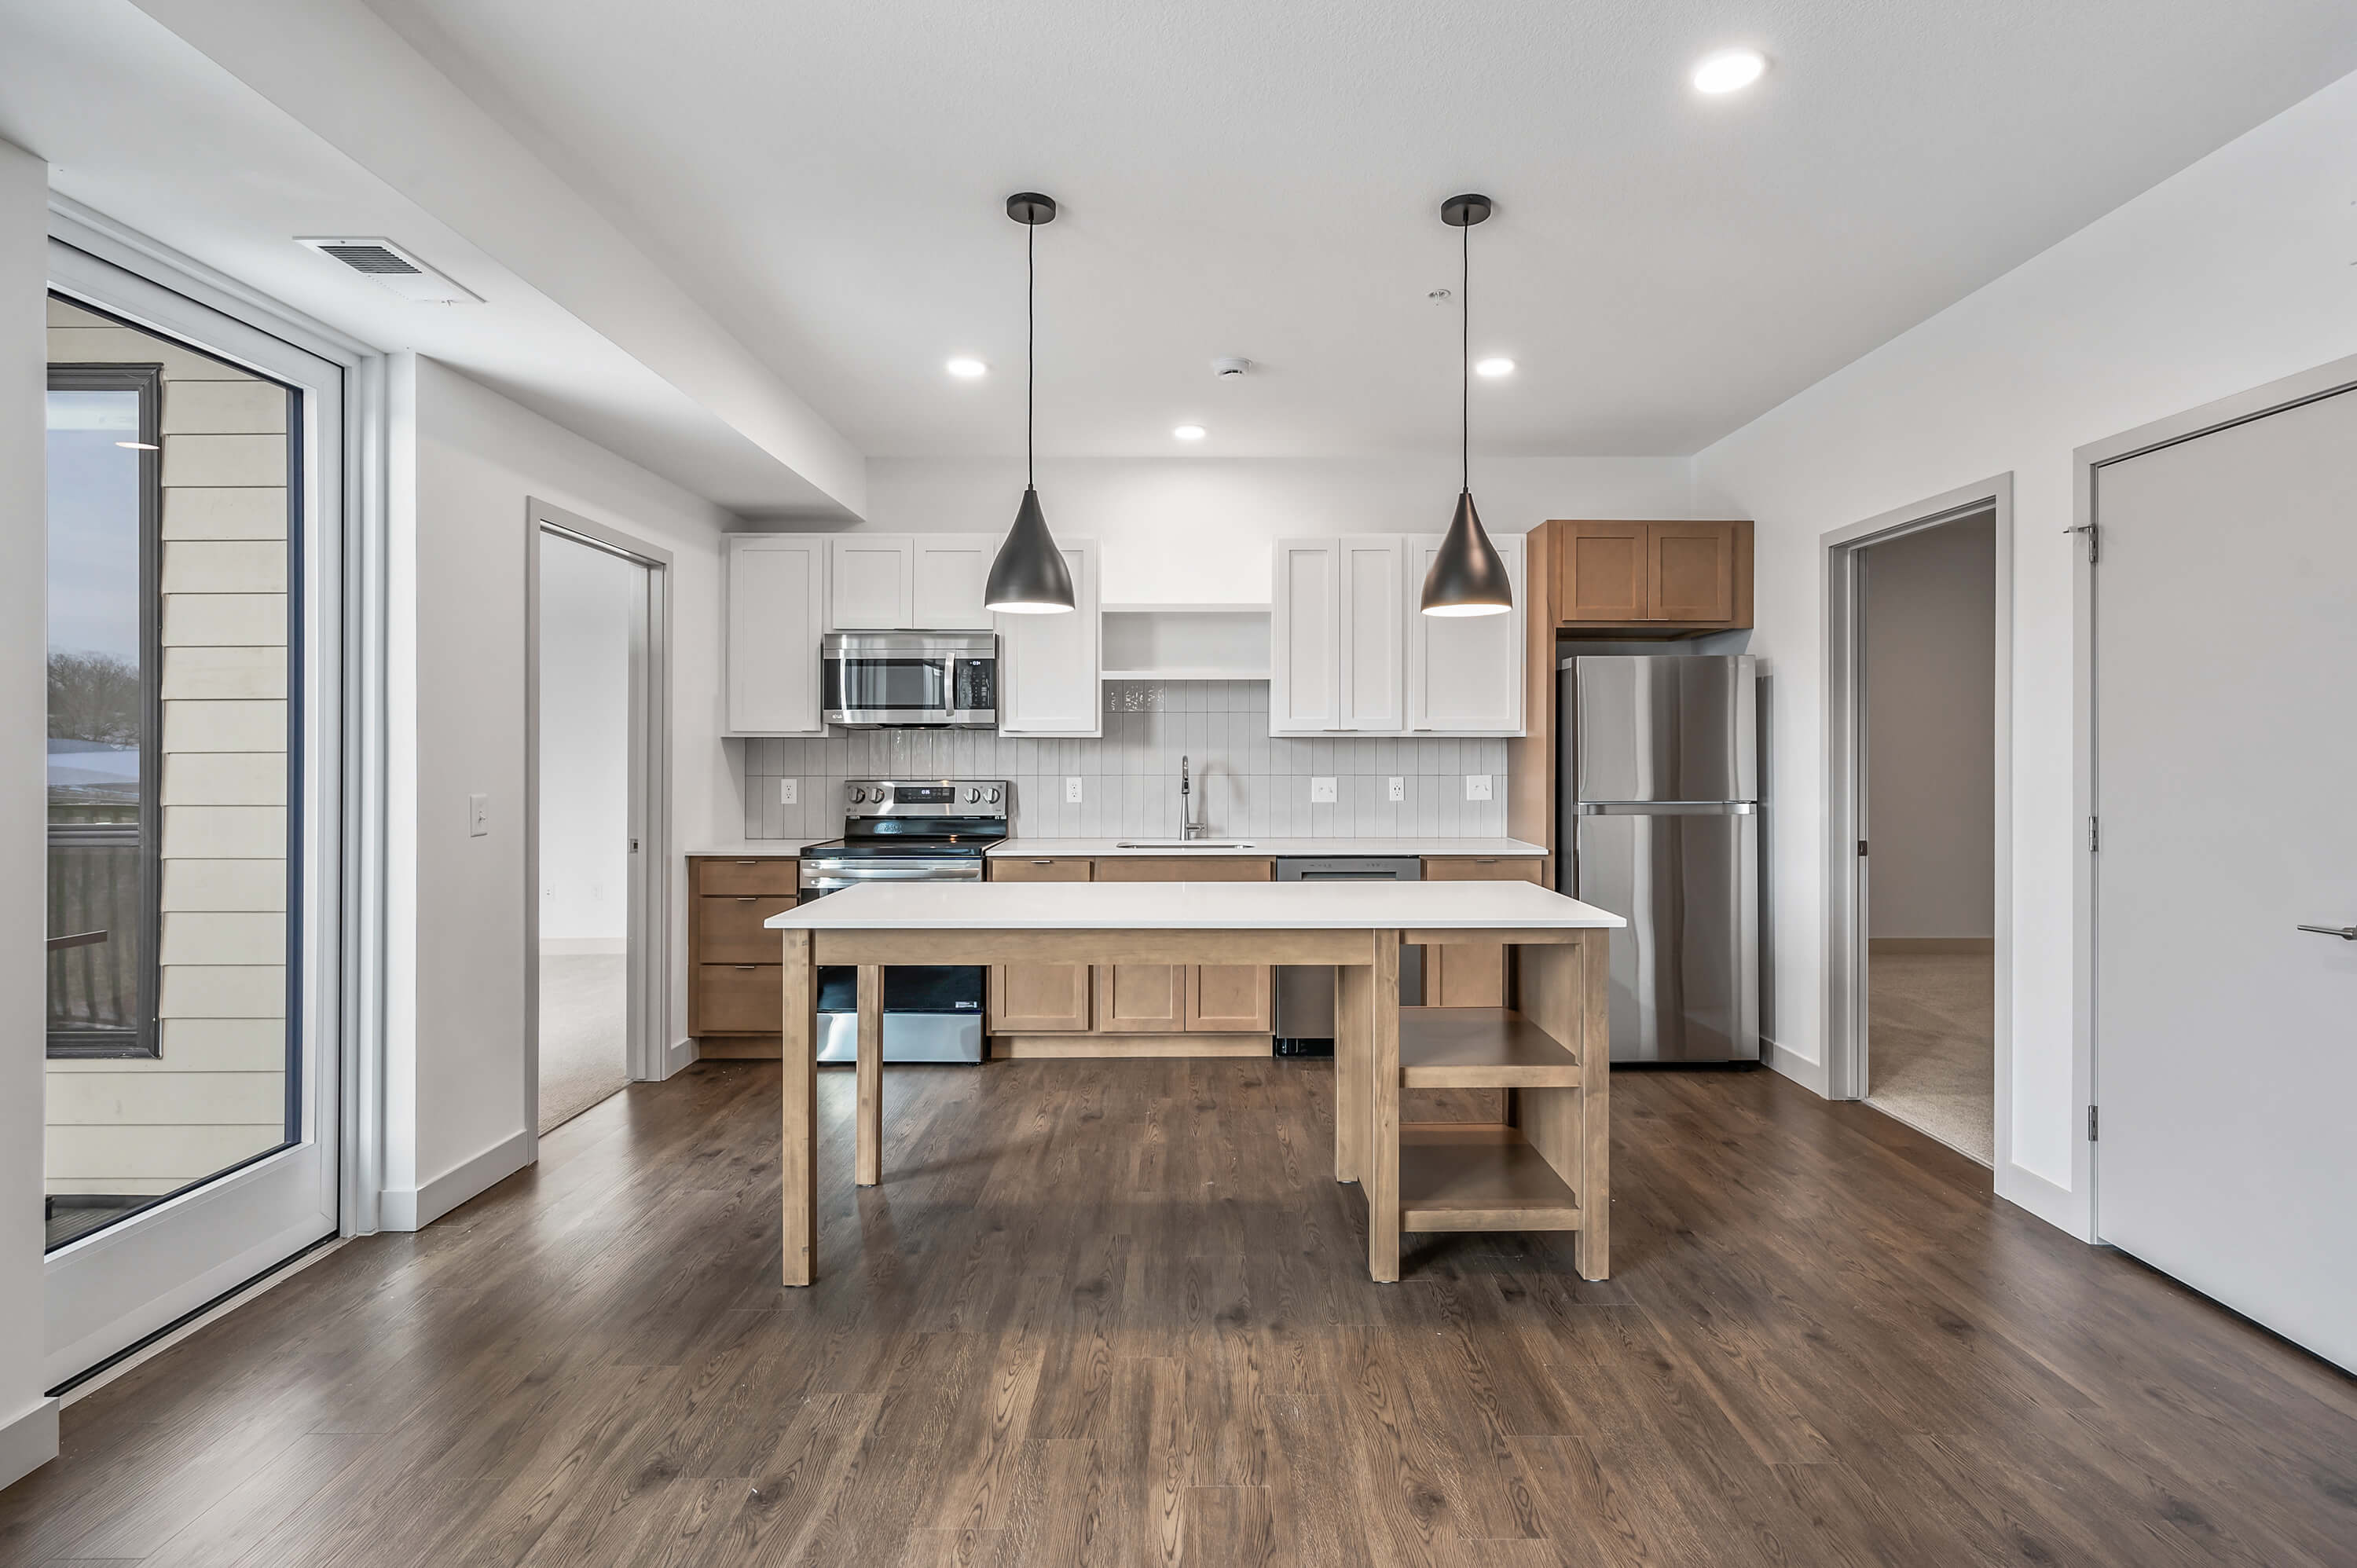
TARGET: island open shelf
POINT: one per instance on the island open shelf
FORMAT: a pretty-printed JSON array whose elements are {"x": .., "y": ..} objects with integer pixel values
[
  {"x": 1480, "y": 1048},
  {"x": 1465, "y": 1176}
]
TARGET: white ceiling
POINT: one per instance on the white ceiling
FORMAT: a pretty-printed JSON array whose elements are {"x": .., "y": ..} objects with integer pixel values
[{"x": 1248, "y": 178}]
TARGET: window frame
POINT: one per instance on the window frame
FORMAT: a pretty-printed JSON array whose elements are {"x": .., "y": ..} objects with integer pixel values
[{"x": 144, "y": 1040}]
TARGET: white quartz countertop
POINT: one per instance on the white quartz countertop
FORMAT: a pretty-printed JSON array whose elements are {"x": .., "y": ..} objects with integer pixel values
[
  {"x": 1192, "y": 906},
  {"x": 756, "y": 849},
  {"x": 1250, "y": 846}
]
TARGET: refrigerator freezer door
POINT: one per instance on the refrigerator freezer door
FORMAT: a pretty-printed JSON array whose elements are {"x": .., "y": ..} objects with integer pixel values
[
  {"x": 1667, "y": 728},
  {"x": 1684, "y": 975}
]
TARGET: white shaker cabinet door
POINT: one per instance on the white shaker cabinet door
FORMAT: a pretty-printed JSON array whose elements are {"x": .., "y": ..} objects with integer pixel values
[
  {"x": 873, "y": 582},
  {"x": 1048, "y": 664},
  {"x": 1368, "y": 648},
  {"x": 775, "y": 614},
  {"x": 1304, "y": 683},
  {"x": 1465, "y": 673},
  {"x": 951, "y": 569}
]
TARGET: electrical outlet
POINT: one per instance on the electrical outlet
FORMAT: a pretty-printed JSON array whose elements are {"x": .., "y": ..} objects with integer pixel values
[
  {"x": 478, "y": 815},
  {"x": 1396, "y": 790},
  {"x": 1072, "y": 791},
  {"x": 1321, "y": 791},
  {"x": 790, "y": 791},
  {"x": 1477, "y": 786}
]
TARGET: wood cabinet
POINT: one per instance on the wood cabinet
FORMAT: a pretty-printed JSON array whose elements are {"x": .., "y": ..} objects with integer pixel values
[
  {"x": 1472, "y": 974},
  {"x": 773, "y": 615},
  {"x": 1049, "y": 665},
  {"x": 735, "y": 1001},
  {"x": 1159, "y": 998},
  {"x": 1039, "y": 998},
  {"x": 1651, "y": 576},
  {"x": 1464, "y": 672}
]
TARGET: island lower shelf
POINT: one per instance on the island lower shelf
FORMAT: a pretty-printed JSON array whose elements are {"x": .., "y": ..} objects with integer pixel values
[{"x": 1468, "y": 1175}]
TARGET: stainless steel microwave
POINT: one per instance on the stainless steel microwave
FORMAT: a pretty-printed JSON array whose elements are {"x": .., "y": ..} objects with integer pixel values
[{"x": 926, "y": 680}]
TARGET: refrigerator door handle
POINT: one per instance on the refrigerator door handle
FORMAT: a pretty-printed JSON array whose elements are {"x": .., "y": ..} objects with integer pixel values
[{"x": 1668, "y": 808}]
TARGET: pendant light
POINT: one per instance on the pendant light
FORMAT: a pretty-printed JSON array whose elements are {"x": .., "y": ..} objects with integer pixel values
[
  {"x": 1467, "y": 577},
  {"x": 1029, "y": 577}
]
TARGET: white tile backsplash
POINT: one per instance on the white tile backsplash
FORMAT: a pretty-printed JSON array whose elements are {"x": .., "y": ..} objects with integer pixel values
[{"x": 1250, "y": 782}]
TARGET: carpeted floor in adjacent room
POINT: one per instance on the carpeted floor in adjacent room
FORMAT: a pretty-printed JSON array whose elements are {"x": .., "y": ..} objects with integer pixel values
[
  {"x": 584, "y": 1033},
  {"x": 1930, "y": 1047}
]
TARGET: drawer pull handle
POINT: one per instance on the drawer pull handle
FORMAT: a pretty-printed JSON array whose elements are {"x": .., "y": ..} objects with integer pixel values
[
  {"x": 1043, "y": 863},
  {"x": 749, "y": 966},
  {"x": 746, "y": 897},
  {"x": 748, "y": 863}
]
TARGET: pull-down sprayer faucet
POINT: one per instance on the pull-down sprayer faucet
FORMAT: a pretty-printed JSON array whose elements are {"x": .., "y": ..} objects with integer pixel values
[{"x": 1191, "y": 823}]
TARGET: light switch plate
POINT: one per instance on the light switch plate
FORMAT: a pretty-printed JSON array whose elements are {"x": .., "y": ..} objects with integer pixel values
[
  {"x": 1477, "y": 786},
  {"x": 1072, "y": 791},
  {"x": 478, "y": 815},
  {"x": 790, "y": 791},
  {"x": 1396, "y": 790},
  {"x": 1321, "y": 791}
]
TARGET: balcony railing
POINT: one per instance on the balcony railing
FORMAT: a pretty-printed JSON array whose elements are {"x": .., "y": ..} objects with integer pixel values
[{"x": 98, "y": 1004}]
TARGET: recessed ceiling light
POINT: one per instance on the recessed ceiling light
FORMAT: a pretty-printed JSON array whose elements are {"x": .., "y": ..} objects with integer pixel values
[
  {"x": 1495, "y": 366},
  {"x": 140, "y": 446},
  {"x": 1730, "y": 70},
  {"x": 1190, "y": 433},
  {"x": 966, "y": 370}
]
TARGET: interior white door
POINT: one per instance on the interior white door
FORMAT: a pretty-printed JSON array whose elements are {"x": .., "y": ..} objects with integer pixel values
[{"x": 2225, "y": 1036}]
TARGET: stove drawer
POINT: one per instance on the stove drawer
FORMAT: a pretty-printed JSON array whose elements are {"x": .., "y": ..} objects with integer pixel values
[
  {"x": 775, "y": 874},
  {"x": 729, "y": 926}
]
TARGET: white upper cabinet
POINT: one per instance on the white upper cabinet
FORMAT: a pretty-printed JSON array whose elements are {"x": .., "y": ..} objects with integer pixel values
[
  {"x": 775, "y": 614},
  {"x": 951, "y": 569},
  {"x": 1049, "y": 664},
  {"x": 1351, "y": 653},
  {"x": 874, "y": 579},
  {"x": 1304, "y": 683},
  {"x": 903, "y": 581},
  {"x": 1371, "y": 579},
  {"x": 1464, "y": 672}
]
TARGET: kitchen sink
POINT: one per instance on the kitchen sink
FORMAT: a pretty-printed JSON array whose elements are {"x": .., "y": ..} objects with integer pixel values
[{"x": 1181, "y": 843}]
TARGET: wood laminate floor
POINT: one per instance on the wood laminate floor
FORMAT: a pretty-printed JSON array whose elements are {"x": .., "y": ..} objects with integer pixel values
[{"x": 1117, "y": 1312}]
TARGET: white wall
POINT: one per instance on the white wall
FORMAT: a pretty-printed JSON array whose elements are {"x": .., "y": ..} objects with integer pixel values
[
  {"x": 1931, "y": 712},
  {"x": 2230, "y": 274},
  {"x": 29, "y": 1422},
  {"x": 455, "y": 1116},
  {"x": 1193, "y": 530},
  {"x": 587, "y": 603}
]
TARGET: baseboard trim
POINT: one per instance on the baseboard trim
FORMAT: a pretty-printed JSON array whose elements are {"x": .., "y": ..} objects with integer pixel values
[
  {"x": 1075, "y": 1047},
  {"x": 740, "y": 1047},
  {"x": 1896, "y": 947},
  {"x": 28, "y": 1441},
  {"x": 2056, "y": 1205},
  {"x": 415, "y": 1208},
  {"x": 1809, "y": 1075}
]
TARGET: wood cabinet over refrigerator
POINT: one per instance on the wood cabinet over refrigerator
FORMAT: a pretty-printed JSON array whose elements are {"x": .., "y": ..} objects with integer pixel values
[{"x": 1653, "y": 576}]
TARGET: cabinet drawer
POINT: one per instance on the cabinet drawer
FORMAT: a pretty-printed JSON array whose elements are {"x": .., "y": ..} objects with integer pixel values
[
  {"x": 1184, "y": 870},
  {"x": 729, "y": 926},
  {"x": 779, "y": 873},
  {"x": 1026, "y": 868},
  {"x": 740, "y": 998}
]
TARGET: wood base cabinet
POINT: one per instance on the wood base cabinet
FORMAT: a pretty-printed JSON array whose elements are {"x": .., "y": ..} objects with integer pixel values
[
  {"x": 1039, "y": 998},
  {"x": 733, "y": 975}
]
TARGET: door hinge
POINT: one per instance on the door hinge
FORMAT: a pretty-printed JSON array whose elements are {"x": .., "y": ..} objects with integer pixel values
[
  {"x": 2091, "y": 1123},
  {"x": 2094, "y": 534},
  {"x": 2095, "y": 834}
]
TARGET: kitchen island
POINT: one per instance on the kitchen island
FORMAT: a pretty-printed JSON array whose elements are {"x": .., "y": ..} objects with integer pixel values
[{"x": 1545, "y": 1167}]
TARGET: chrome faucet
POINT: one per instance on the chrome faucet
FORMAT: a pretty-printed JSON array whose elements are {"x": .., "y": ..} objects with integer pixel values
[{"x": 1189, "y": 823}]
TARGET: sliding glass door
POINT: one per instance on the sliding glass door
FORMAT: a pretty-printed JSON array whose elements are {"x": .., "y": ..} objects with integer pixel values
[{"x": 194, "y": 504}]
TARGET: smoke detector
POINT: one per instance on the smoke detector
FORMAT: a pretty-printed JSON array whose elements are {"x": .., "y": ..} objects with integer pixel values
[
  {"x": 1229, "y": 368},
  {"x": 384, "y": 261}
]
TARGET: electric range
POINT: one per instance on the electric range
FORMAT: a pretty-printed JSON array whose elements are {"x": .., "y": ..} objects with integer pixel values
[{"x": 908, "y": 830}]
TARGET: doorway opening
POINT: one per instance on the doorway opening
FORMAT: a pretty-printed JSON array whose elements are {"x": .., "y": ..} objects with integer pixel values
[
  {"x": 1919, "y": 614},
  {"x": 595, "y": 738}
]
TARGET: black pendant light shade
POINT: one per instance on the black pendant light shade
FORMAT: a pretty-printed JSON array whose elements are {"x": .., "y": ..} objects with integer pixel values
[
  {"x": 1029, "y": 577},
  {"x": 1468, "y": 576}
]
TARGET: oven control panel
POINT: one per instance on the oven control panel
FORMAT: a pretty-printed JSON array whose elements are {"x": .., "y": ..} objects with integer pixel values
[{"x": 927, "y": 797}]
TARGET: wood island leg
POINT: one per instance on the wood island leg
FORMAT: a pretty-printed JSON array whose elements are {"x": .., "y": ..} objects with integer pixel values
[
  {"x": 1592, "y": 1248},
  {"x": 871, "y": 1074},
  {"x": 1382, "y": 1167},
  {"x": 797, "y": 1153},
  {"x": 1353, "y": 1037}
]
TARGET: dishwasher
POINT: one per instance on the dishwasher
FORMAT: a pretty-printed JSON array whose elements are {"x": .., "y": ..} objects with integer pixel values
[{"x": 1304, "y": 992}]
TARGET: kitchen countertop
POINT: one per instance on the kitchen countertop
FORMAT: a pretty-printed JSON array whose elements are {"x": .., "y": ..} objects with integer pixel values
[
  {"x": 1261, "y": 846},
  {"x": 1193, "y": 906},
  {"x": 755, "y": 849}
]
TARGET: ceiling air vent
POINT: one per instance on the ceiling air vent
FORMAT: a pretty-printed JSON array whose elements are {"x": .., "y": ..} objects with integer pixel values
[{"x": 396, "y": 268}]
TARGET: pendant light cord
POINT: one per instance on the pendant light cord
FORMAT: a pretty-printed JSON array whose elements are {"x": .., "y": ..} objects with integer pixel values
[
  {"x": 1030, "y": 343},
  {"x": 1465, "y": 361}
]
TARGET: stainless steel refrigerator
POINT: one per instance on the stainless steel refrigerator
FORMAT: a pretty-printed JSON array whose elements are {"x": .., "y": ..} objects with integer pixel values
[{"x": 1658, "y": 799}]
